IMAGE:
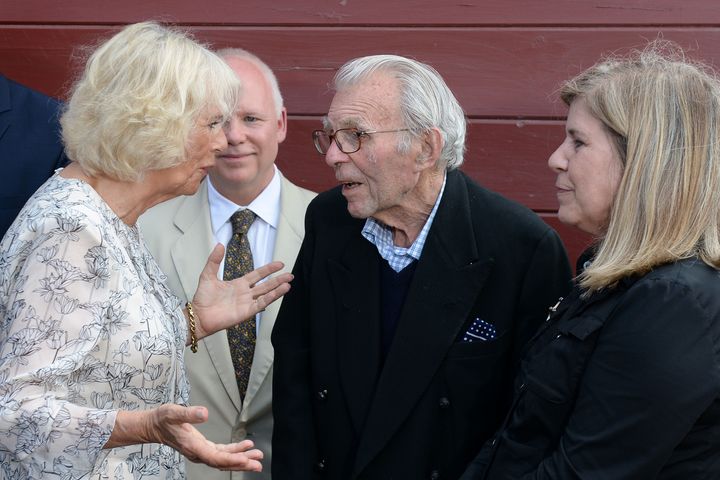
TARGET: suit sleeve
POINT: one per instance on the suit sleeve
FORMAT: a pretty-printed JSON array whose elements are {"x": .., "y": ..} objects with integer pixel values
[
  {"x": 547, "y": 278},
  {"x": 293, "y": 443},
  {"x": 651, "y": 376}
]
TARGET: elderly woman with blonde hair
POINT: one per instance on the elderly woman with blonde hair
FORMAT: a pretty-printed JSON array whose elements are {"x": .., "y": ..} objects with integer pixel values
[
  {"x": 623, "y": 381},
  {"x": 92, "y": 383}
]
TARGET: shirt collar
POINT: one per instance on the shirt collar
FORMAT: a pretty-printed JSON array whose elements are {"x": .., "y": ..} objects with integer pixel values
[
  {"x": 381, "y": 236},
  {"x": 266, "y": 205}
]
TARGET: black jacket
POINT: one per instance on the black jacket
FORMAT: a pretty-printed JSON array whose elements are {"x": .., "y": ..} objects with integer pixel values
[
  {"x": 338, "y": 414},
  {"x": 624, "y": 385}
]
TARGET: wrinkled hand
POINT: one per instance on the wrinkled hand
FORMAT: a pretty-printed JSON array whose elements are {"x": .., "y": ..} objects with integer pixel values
[
  {"x": 172, "y": 425},
  {"x": 221, "y": 304}
]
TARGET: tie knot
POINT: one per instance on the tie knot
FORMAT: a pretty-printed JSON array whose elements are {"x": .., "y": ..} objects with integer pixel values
[{"x": 241, "y": 221}]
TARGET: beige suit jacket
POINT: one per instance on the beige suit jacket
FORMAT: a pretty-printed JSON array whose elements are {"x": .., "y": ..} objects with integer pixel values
[{"x": 179, "y": 235}]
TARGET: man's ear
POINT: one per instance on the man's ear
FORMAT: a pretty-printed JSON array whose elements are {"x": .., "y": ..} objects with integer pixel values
[
  {"x": 432, "y": 144},
  {"x": 282, "y": 125}
]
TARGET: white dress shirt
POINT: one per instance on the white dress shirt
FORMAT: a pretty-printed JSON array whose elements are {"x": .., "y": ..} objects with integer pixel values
[{"x": 262, "y": 232}]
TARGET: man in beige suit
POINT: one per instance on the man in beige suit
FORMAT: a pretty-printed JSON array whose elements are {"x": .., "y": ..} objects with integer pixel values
[{"x": 182, "y": 232}]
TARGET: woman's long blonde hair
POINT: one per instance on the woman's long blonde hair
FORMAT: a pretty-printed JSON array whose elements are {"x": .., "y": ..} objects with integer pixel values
[{"x": 663, "y": 112}]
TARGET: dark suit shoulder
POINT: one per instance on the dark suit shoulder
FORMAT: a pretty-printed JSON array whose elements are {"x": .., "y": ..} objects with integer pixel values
[
  {"x": 330, "y": 200},
  {"x": 329, "y": 210},
  {"x": 30, "y": 147},
  {"x": 33, "y": 111},
  {"x": 507, "y": 218}
]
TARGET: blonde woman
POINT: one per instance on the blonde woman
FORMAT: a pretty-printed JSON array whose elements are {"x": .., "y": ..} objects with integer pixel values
[
  {"x": 91, "y": 345},
  {"x": 623, "y": 381}
]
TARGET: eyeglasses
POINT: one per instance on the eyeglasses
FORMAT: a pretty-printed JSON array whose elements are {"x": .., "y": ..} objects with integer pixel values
[{"x": 348, "y": 140}]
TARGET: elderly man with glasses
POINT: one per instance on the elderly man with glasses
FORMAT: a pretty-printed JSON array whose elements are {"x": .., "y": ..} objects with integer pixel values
[{"x": 415, "y": 290}]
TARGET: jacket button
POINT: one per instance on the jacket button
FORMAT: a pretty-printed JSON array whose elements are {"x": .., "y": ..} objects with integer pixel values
[
  {"x": 320, "y": 465},
  {"x": 444, "y": 402},
  {"x": 322, "y": 394},
  {"x": 435, "y": 475}
]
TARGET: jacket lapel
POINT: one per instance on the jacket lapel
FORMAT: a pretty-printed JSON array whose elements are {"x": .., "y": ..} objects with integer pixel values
[
  {"x": 189, "y": 255},
  {"x": 448, "y": 277},
  {"x": 354, "y": 282},
  {"x": 287, "y": 244}
]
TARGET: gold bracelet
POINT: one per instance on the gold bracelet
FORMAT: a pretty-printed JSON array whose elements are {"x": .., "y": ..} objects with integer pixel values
[{"x": 193, "y": 336}]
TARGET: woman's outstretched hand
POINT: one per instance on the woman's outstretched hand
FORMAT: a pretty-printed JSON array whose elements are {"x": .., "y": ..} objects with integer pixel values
[
  {"x": 221, "y": 304},
  {"x": 172, "y": 425}
]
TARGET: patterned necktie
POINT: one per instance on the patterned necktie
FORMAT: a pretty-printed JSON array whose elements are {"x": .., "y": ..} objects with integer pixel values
[{"x": 238, "y": 262}]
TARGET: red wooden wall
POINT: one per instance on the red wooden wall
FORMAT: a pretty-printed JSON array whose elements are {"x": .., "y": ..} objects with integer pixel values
[{"x": 504, "y": 59}]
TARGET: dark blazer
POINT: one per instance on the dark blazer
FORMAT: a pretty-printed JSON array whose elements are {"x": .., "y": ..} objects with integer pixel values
[
  {"x": 30, "y": 148},
  {"x": 427, "y": 411},
  {"x": 624, "y": 385}
]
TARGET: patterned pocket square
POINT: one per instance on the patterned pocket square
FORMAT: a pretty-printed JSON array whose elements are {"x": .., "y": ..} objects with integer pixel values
[{"x": 480, "y": 331}]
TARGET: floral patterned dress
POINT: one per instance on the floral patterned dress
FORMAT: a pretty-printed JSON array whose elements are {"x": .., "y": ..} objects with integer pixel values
[{"x": 88, "y": 328}]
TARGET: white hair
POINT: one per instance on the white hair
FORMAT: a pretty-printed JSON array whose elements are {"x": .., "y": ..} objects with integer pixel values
[
  {"x": 425, "y": 100},
  {"x": 139, "y": 98}
]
